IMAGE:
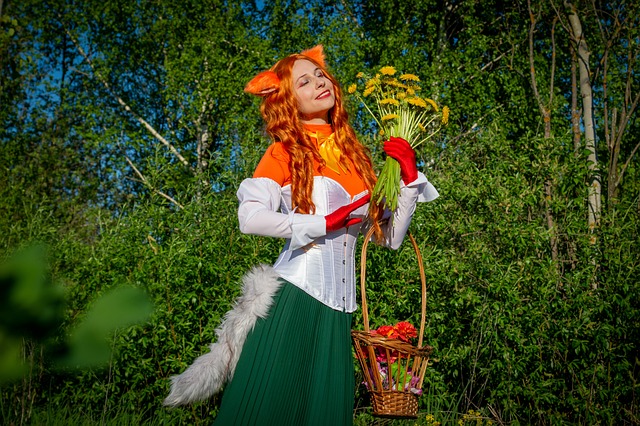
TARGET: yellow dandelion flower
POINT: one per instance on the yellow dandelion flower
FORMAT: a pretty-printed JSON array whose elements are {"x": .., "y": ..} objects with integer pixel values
[
  {"x": 368, "y": 91},
  {"x": 432, "y": 103},
  {"x": 352, "y": 88},
  {"x": 395, "y": 83},
  {"x": 409, "y": 77},
  {"x": 417, "y": 102},
  {"x": 372, "y": 82},
  {"x": 410, "y": 91},
  {"x": 360, "y": 75},
  {"x": 388, "y": 70},
  {"x": 445, "y": 115},
  {"x": 381, "y": 132},
  {"x": 421, "y": 127},
  {"x": 389, "y": 101},
  {"x": 389, "y": 117},
  {"x": 401, "y": 95}
]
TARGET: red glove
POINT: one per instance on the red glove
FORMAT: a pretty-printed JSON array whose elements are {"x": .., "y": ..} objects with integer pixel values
[
  {"x": 340, "y": 218},
  {"x": 400, "y": 150}
]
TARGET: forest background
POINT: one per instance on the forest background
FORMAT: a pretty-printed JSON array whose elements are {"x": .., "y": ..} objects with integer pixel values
[{"x": 125, "y": 133}]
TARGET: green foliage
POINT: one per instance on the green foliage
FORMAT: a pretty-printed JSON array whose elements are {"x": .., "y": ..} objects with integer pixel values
[
  {"x": 31, "y": 306},
  {"x": 524, "y": 333},
  {"x": 514, "y": 329},
  {"x": 120, "y": 308},
  {"x": 33, "y": 309}
]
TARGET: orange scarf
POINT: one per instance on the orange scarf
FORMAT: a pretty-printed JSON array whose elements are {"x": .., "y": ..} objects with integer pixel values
[{"x": 326, "y": 141}]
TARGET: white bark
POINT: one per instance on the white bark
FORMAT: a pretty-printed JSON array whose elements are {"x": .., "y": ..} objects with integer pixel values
[
  {"x": 127, "y": 108},
  {"x": 595, "y": 187}
]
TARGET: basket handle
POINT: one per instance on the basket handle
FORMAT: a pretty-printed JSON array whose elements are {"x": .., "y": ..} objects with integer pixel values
[{"x": 363, "y": 271}]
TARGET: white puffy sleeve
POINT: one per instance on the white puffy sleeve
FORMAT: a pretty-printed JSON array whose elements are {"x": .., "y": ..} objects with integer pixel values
[
  {"x": 418, "y": 191},
  {"x": 259, "y": 214}
]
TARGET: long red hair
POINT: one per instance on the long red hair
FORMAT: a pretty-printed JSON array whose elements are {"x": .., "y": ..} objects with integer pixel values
[{"x": 281, "y": 115}]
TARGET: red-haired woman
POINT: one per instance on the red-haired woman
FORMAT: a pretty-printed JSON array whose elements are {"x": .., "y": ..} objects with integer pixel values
[{"x": 312, "y": 188}]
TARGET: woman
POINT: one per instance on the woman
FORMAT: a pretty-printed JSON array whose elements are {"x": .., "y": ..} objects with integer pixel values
[{"x": 312, "y": 188}]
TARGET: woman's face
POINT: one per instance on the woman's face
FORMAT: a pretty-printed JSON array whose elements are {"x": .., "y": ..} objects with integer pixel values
[{"x": 314, "y": 92}]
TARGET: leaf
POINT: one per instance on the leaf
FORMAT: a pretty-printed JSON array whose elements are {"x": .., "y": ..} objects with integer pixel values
[{"x": 89, "y": 342}]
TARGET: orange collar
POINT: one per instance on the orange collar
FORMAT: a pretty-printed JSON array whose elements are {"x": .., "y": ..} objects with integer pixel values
[
  {"x": 326, "y": 142},
  {"x": 322, "y": 129}
]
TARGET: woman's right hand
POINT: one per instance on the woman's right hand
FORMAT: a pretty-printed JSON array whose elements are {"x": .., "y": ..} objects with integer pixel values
[
  {"x": 400, "y": 150},
  {"x": 340, "y": 218}
]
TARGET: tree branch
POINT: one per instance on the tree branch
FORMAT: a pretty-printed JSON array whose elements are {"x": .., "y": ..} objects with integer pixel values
[
  {"x": 532, "y": 69},
  {"x": 146, "y": 182},
  {"x": 126, "y": 107},
  {"x": 553, "y": 60},
  {"x": 492, "y": 62},
  {"x": 622, "y": 127},
  {"x": 626, "y": 163}
]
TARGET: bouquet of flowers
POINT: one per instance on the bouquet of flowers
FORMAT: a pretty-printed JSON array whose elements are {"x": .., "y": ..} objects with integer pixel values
[
  {"x": 394, "y": 375},
  {"x": 397, "y": 108}
]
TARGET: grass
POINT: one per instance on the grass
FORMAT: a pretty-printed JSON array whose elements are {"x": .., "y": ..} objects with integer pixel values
[{"x": 76, "y": 416}]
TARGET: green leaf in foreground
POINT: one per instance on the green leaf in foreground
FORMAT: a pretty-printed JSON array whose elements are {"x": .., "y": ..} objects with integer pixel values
[{"x": 89, "y": 342}]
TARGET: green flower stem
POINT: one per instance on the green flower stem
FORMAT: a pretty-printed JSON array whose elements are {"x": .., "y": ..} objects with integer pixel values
[
  {"x": 400, "y": 113},
  {"x": 417, "y": 144},
  {"x": 370, "y": 112},
  {"x": 388, "y": 185}
]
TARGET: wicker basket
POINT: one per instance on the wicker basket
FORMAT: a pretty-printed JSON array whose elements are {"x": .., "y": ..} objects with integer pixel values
[{"x": 391, "y": 387}]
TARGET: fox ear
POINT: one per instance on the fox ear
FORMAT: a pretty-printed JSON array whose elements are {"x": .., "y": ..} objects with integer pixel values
[
  {"x": 316, "y": 53},
  {"x": 262, "y": 84}
]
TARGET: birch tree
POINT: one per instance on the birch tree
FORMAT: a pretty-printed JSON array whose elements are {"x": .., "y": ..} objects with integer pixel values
[
  {"x": 167, "y": 73},
  {"x": 583, "y": 54}
]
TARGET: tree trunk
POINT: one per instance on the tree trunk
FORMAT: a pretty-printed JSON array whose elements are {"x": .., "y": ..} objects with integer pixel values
[
  {"x": 587, "y": 117},
  {"x": 613, "y": 145},
  {"x": 575, "y": 111},
  {"x": 545, "y": 111},
  {"x": 202, "y": 147}
]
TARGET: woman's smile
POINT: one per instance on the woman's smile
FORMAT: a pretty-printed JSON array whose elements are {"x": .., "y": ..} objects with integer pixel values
[{"x": 314, "y": 92}]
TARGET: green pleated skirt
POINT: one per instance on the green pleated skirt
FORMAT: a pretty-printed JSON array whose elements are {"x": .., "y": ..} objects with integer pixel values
[{"x": 296, "y": 367}]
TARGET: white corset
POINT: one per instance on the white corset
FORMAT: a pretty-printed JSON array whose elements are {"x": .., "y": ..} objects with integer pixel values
[
  {"x": 324, "y": 268},
  {"x": 321, "y": 264}
]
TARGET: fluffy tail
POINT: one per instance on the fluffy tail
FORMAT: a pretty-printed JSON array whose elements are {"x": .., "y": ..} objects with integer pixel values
[{"x": 209, "y": 372}]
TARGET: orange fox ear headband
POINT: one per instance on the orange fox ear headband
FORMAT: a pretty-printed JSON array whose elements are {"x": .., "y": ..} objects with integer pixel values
[{"x": 268, "y": 81}]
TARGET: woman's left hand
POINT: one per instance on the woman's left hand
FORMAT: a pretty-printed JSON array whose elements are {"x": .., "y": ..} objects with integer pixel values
[
  {"x": 340, "y": 218},
  {"x": 400, "y": 150}
]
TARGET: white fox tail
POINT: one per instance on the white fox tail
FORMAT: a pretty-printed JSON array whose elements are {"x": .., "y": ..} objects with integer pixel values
[{"x": 211, "y": 371}]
